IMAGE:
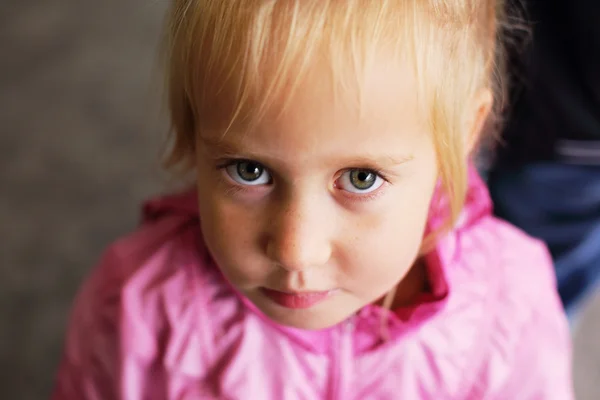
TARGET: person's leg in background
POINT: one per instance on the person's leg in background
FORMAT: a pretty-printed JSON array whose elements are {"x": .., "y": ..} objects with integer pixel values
[{"x": 560, "y": 204}]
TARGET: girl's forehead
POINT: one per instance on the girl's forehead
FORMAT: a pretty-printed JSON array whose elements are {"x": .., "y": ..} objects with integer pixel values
[
  {"x": 385, "y": 95},
  {"x": 319, "y": 124}
]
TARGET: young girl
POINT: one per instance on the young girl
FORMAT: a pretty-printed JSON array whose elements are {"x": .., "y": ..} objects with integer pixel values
[{"x": 336, "y": 243}]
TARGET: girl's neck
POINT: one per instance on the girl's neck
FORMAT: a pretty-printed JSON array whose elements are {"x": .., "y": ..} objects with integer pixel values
[{"x": 410, "y": 287}]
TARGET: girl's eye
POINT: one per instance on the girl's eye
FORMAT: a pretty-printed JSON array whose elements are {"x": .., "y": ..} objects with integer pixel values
[
  {"x": 248, "y": 173},
  {"x": 360, "y": 181}
]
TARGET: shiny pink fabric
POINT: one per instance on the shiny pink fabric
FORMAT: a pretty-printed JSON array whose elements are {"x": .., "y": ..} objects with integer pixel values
[{"x": 156, "y": 320}]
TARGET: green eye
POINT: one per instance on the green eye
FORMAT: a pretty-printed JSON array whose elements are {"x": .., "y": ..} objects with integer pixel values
[
  {"x": 360, "y": 181},
  {"x": 248, "y": 173}
]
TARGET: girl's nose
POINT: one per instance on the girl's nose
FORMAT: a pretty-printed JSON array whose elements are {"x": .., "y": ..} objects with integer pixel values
[{"x": 300, "y": 236}]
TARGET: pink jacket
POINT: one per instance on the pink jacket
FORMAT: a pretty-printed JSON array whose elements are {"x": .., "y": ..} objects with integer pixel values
[{"x": 156, "y": 320}]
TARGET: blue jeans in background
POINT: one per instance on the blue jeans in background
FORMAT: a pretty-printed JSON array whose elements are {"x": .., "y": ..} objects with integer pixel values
[{"x": 560, "y": 204}]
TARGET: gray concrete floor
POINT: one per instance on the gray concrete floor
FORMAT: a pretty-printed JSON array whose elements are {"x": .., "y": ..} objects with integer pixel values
[{"x": 81, "y": 128}]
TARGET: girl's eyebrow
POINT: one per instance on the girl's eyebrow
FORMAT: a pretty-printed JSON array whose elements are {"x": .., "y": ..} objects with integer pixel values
[
  {"x": 219, "y": 148},
  {"x": 223, "y": 148},
  {"x": 383, "y": 160}
]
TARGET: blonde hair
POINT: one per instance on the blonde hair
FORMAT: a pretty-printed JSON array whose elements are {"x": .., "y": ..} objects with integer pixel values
[{"x": 228, "y": 61}]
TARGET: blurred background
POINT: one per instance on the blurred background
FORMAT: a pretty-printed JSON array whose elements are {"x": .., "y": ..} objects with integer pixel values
[{"x": 81, "y": 125}]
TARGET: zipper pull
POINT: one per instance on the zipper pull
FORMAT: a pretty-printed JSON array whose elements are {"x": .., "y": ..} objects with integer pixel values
[{"x": 349, "y": 324}]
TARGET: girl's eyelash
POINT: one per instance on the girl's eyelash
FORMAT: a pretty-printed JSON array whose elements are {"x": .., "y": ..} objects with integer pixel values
[
  {"x": 372, "y": 170},
  {"x": 364, "y": 198},
  {"x": 234, "y": 189},
  {"x": 224, "y": 163}
]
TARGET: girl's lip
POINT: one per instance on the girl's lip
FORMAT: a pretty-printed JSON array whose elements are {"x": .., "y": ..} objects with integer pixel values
[{"x": 297, "y": 300}]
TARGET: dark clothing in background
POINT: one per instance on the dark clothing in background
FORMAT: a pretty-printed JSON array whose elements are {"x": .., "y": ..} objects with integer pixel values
[{"x": 555, "y": 98}]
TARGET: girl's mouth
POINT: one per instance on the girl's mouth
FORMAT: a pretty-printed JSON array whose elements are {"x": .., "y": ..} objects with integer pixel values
[{"x": 299, "y": 300}]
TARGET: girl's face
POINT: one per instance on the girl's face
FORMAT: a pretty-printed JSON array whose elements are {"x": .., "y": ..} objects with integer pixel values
[{"x": 321, "y": 210}]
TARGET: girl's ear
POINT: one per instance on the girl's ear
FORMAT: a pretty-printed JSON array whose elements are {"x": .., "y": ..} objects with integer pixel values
[{"x": 478, "y": 116}]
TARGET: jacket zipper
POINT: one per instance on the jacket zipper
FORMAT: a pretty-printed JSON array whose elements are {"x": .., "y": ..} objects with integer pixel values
[{"x": 341, "y": 356}]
